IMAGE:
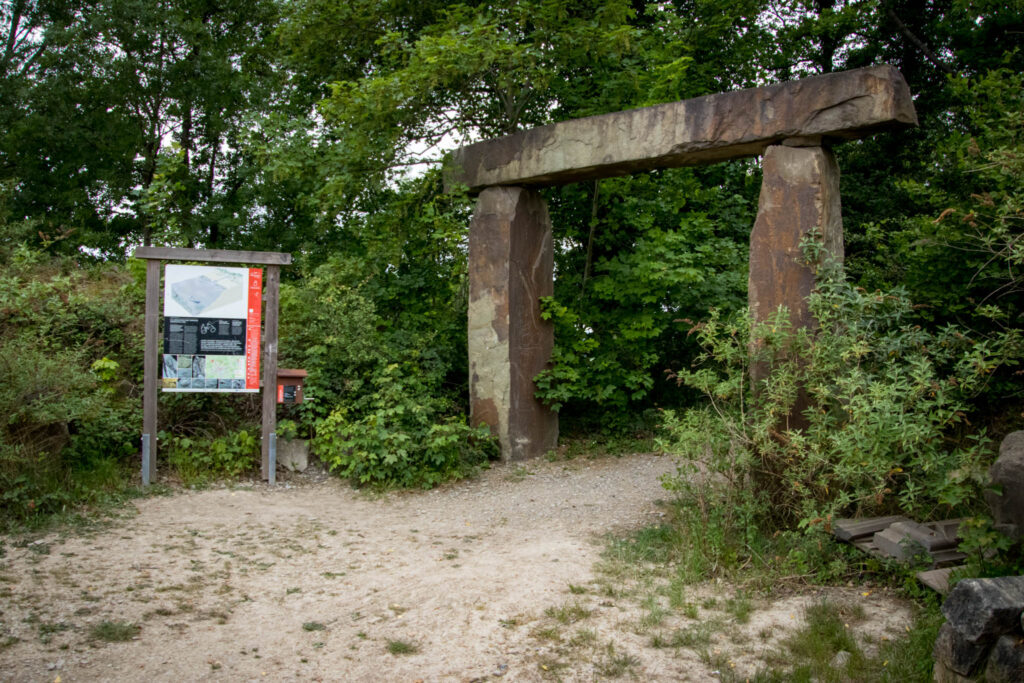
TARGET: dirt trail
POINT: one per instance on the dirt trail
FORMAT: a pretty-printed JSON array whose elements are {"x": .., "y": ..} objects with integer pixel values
[
  {"x": 223, "y": 581},
  {"x": 317, "y": 581}
]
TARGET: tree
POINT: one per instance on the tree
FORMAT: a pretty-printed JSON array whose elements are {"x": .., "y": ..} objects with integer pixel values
[
  {"x": 487, "y": 69},
  {"x": 104, "y": 85}
]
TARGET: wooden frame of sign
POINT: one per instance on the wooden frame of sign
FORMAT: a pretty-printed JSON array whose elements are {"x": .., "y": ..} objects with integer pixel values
[{"x": 154, "y": 256}]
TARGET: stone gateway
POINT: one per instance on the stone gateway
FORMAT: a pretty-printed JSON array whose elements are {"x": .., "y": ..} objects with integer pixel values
[{"x": 791, "y": 125}]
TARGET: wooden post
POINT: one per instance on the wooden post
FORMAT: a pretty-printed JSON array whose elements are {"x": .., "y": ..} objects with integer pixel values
[
  {"x": 270, "y": 367},
  {"x": 150, "y": 382}
]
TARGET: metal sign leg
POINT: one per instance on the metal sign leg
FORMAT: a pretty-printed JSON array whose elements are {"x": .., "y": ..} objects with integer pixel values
[
  {"x": 272, "y": 457},
  {"x": 145, "y": 459}
]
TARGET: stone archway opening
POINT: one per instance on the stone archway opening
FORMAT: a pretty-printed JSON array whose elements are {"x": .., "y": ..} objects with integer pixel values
[{"x": 791, "y": 125}]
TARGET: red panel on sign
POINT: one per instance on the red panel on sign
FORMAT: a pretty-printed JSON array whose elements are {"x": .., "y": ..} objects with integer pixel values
[{"x": 252, "y": 329}]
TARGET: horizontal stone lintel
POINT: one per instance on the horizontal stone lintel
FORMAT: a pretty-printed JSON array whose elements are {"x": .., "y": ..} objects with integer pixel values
[{"x": 836, "y": 106}]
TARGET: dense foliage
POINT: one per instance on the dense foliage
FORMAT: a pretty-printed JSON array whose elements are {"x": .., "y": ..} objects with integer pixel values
[
  {"x": 69, "y": 413},
  {"x": 861, "y": 417},
  {"x": 318, "y": 127}
]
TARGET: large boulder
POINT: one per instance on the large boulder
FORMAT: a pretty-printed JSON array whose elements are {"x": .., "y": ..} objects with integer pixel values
[
  {"x": 293, "y": 454},
  {"x": 958, "y": 655},
  {"x": 1006, "y": 663},
  {"x": 981, "y": 610}
]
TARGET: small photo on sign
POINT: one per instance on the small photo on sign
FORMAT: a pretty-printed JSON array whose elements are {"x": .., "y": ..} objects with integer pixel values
[
  {"x": 170, "y": 366},
  {"x": 184, "y": 369},
  {"x": 199, "y": 366},
  {"x": 225, "y": 367}
]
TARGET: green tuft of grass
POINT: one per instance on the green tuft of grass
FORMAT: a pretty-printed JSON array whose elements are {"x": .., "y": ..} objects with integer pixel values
[
  {"x": 654, "y": 613},
  {"x": 46, "y": 631},
  {"x": 809, "y": 652},
  {"x": 114, "y": 631},
  {"x": 739, "y": 607},
  {"x": 313, "y": 626},
  {"x": 615, "y": 664},
  {"x": 547, "y": 633},
  {"x": 567, "y": 613},
  {"x": 551, "y": 666},
  {"x": 825, "y": 634},
  {"x": 583, "y": 638},
  {"x": 909, "y": 658},
  {"x": 402, "y": 647},
  {"x": 657, "y": 544},
  {"x": 693, "y": 637}
]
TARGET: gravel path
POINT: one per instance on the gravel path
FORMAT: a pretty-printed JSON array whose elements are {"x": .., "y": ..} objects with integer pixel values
[{"x": 318, "y": 582}]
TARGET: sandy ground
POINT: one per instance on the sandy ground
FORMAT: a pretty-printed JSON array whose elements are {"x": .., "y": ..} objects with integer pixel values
[{"x": 488, "y": 579}]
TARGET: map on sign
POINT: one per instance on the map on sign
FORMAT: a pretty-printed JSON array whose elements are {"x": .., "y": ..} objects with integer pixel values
[
  {"x": 211, "y": 328},
  {"x": 206, "y": 291}
]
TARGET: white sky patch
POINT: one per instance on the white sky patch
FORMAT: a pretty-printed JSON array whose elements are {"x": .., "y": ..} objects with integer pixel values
[{"x": 422, "y": 155}]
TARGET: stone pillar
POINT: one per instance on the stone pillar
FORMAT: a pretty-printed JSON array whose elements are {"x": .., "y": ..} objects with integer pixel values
[
  {"x": 799, "y": 194},
  {"x": 510, "y": 268}
]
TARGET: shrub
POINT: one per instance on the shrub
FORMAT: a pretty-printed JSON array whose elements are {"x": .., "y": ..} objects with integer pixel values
[
  {"x": 400, "y": 434},
  {"x": 329, "y": 327},
  {"x": 883, "y": 428},
  {"x": 197, "y": 459},
  {"x": 70, "y": 417},
  {"x": 63, "y": 433}
]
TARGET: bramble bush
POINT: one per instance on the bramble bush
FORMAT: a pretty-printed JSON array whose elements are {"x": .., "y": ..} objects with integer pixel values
[
  {"x": 399, "y": 434},
  {"x": 197, "y": 459},
  {"x": 69, "y": 416},
  {"x": 887, "y": 403}
]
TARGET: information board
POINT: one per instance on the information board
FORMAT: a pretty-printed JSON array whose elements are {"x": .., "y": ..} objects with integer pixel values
[{"x": 211, "y": 329}]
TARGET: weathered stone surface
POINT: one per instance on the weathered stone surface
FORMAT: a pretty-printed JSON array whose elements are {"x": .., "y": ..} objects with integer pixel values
[
  {"x": 958, "y": 655},
  {"x": 293, "y": 454},
  {"x": 851, "y": 530},
  {"x": 897, "y": 544},
  {"x": 936, "y": 579},
  {"x": 703, "y": 130},
  {"x": 907, "y": 538},
  {"x": 980, "y": 610},
  {"x": 1006, "y": 661},
  {"x": 799, "y": 194},
  {"x": 510, "y": 268},
  {"x": 943, "y": 674},
  {"x": 840, "y": 662},
  {"x": 1008, "y": 473}
]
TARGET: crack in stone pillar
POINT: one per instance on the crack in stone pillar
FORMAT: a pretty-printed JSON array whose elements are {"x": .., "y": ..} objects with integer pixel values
[
  {"x": 799, "y": 194},
  {"x": 510, "y": 267}
]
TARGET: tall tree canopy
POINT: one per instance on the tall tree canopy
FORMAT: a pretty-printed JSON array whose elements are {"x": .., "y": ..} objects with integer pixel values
[{"x": 317, "y": 127}]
